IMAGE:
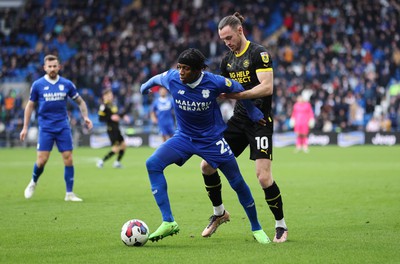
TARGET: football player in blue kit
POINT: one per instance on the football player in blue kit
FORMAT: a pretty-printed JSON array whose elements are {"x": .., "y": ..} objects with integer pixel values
[
  {"x": 162, "y": 114},
  {"x": 200, "y": 128},
  {"x": 51, "y": 92}
]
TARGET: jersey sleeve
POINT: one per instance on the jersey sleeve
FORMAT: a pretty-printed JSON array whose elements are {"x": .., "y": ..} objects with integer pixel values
[
  {"x": 159, "y": 79},
  {"x": 34, "y": 96},
  {"x": 223, "y": 67},
  {"x": 236, "y": 87},
  {"x": 262, "y": 60},
  {"x": 232, "y": 86},
  {"x": 154, "y": 106},
  {"x": 103, "y": 114},
  {"x": 165, "y": 77},
  {"x": 227, "y": 85},
  {"x": 72, "y": 91}
]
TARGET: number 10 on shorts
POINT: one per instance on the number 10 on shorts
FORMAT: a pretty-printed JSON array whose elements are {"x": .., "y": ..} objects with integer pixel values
[{"x": 262, "y": 142}]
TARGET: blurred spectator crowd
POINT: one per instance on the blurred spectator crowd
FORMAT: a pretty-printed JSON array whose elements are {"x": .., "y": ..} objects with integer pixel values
[{"x": 343, "y": 56}]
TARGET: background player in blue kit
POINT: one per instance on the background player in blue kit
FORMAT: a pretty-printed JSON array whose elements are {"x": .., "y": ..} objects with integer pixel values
[
  {"x": 199, "y": 132},
  {"x": 162, "y": 113},
  {"x": 51, "y": 92}
]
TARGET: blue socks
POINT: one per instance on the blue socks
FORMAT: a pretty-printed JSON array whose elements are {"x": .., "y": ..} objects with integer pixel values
[
  {"x": 159, "y": 186},
  {"x": 235, "y": 179},
  {"x": 69, "y": 177},
  {"x": 36, "y": 172}
]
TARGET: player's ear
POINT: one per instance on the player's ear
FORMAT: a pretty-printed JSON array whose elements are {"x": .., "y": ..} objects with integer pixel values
[{"x": 240, "y": 30}]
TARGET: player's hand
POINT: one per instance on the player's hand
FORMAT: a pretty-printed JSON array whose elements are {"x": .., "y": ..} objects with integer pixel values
[
  {"x": 256, "y": 115},
  {"x": 311, "y": 123},
  {"x": 23, "y": 133},
  {"x": 115, "y": 118},
  {"x": 222, "y": 96},
  {"x": 262, "y": 122},
  {"x": 144, "y": 89},
  {"x": 291, "y": 122},
  {"x": 233, "y": 96},
  {"x": 127, "y": 119},
  {"x": 88, "y": 123}
]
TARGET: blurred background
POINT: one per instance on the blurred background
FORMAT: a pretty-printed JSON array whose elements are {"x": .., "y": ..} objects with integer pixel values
[{"x": 343, "y": 56}]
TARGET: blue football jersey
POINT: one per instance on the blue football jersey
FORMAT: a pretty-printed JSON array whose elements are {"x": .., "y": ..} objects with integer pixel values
[
  {"x": 196, "y": 108},
  {"x": 163, "y": 107},
  {"x": 52, "y": 97}
]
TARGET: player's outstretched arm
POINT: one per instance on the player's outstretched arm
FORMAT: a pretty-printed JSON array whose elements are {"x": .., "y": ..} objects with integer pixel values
[
  {"x": 265, "y": 88},
  {"x": 27, "y": 117},
  {"x": 253, "y": 112},
  {"x": 153, "y": 81}
]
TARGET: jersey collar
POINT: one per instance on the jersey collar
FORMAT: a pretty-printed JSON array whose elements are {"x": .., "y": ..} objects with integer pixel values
[
  {"x": 50, "y": 80},
  {"x": 197, "y": 82},
  {"x": 244, "y": 50}
]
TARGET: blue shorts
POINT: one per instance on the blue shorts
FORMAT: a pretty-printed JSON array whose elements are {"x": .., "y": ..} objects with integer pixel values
[
  {"x": 62, "y": 137},
  {"x": 179, "y": 149},
  {"x": 167, "y": 130}
]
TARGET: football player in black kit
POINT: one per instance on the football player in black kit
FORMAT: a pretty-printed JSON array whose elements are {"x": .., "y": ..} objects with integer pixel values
[
  {"x": 251, "y": 65},
  {"x": 108, "y": 113}
]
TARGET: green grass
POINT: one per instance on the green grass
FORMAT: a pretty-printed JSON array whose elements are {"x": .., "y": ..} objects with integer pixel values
[{"x": 341, "y": 206}]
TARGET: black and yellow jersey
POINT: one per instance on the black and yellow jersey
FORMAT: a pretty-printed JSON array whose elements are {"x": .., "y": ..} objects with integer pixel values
[
  {"x": 243, "y": 68},
  {"x": 105, "y": 113}
]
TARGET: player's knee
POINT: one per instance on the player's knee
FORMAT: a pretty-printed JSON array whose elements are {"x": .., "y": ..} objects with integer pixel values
[
  {"x": 41, "y": 160},
  {"x": 123, "y": 146},
  {"x": 265, "y": 178},
  {"x": 68, "y": 161},
  {"x": 154, "y": 164},
  {"x": 206, "y": 168},
  {"x": 115, "y": 148}
]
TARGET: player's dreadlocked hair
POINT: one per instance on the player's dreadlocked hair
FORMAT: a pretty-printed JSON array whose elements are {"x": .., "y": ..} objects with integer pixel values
[
  {"x": 194, "y": 58},
  {"x": 234, "y": 21}
]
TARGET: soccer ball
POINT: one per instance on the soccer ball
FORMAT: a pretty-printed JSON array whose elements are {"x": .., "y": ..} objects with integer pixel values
[{"x": 135, "y": 233}]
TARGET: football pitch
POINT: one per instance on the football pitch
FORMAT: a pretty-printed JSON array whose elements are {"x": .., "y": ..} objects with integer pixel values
[{"x": 342, "y": 205}]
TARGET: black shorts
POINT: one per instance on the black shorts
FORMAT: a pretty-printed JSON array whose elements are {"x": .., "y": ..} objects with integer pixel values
[
  {"x": 241, "y": 133},
  {"x": 115, "y": 136}
]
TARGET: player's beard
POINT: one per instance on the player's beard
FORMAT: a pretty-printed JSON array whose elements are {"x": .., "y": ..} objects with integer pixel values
[{"x": 53, "y": 75}]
